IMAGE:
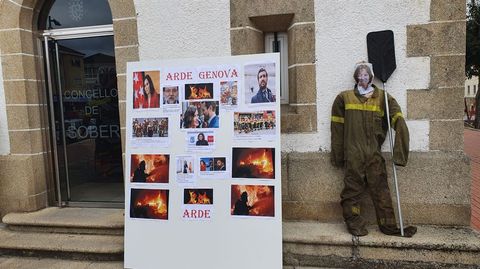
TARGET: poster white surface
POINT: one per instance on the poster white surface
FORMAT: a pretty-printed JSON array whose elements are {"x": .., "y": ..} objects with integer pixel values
[{"x": 203, "y": 163}]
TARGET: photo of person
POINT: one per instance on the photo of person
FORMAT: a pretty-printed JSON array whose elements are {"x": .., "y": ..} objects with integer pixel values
[
  {"x": 149, "y": 204},
  {"x": 228, "y": 93},
  {"x": 219, "y": 164},
  {"x": 260, "y": 83},
  {"x": 149, "y": 168},
  {"x": 146, "y": 91},
  {"x": 201, "y": 141},
  {"x": 200, "y": 115},
  {"x": 206, "y": 164},
  {"x": 170, "y": 95},
  {"x": 199, "y": 91},
  {"x": 185, "y": 169},
  {"x": 253, "y": 163},
  {"x": 254, "y": 123},
  {"x": 150, "y": 127},
  {"x": 252, "y": 200}
]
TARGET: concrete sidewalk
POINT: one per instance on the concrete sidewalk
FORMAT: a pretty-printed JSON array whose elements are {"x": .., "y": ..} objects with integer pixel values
[{"x": 472, "y": 149}]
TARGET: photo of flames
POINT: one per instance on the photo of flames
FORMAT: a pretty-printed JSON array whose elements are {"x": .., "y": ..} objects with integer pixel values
[
  {"x": 198, "y": 91},
  {"x": 253, "y": 163},
  {"x": 149, "y": 204},
  {"x": 198, "y": 196},
  {"x": 253, "y": 200},
  {"x": 152, "y": 168}
]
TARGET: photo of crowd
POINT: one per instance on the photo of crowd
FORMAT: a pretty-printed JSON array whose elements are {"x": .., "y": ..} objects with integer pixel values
[
  {"x": 150, "y": 127},
  {"x": 199, "y": 115},
  {"x": 257, "y": 123}
]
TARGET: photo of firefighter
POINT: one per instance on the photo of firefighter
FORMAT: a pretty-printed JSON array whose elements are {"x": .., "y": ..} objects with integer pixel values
[
  {"x": 149, "y": 204},
  {"x": 253, "y": 163},
  {"x": 199, "y": 115},
  {"x": 198, "y": 196},
  {"x": 254, "y": 123},
  {"x": 152, "y": 168},
  {"x": 253, "y": 200},
  {"x": 150, "y": 127},
  {"x": 203, "y": 91},
  {"x": 228, "y": 93},
  {"x": 146, "y": 89}
]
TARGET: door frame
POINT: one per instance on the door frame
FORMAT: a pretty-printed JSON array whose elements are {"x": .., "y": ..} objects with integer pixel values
[{"x": 64, "y": 34}]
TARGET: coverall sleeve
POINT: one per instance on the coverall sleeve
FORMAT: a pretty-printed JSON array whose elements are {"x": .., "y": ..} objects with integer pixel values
[
  {"x": 336, "y": 125},
  {"x": 402, "y": 136}
]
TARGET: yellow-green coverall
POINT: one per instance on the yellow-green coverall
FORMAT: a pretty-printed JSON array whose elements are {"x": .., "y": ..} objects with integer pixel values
[{"x": 359, "y": 126}]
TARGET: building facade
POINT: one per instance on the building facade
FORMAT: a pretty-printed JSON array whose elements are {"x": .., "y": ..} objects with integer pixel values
[{"x": 52, "y": 118}]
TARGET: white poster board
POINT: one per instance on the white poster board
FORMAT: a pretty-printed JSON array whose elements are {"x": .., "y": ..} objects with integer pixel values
[{"x": 202, "y": 163}]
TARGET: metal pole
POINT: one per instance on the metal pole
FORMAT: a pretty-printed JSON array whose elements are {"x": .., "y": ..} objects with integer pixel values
[
  {"x": 52, "y": 124},
  {"x": 390, "y": 136},
  {"x": 62, "y": 120}
]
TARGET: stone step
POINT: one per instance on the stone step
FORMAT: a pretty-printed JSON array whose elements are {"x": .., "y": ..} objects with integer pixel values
[
  {"x": 68, "y": 220},
  {"x": 49, "y": 263},
  {"x": 60, "y": 245},
  {"x": 330, "y": 245}
]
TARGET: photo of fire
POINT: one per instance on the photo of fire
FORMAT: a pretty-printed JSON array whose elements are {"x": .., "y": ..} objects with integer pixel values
[
  {"x": 199, "y": 91},
  {"x": 198, "y": 196},
  {"x": 152, "y": 168},
  {"x": 253, "y": 163},
  {"x": 149, "y": 204},
  {"x": 253, "y": 200}
]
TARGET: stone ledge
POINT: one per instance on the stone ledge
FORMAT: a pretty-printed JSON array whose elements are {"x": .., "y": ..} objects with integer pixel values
[
  {"x": 323, "y": 244},
  {"x": 93, "y": 218},
  {"x": 98, "y": 247}
]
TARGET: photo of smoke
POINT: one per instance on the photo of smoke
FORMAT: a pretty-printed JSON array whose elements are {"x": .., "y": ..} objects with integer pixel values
[
  {"x": 199, "y": 91},
  {"x": 152, "y": 168},
  {"x": 198, "y": 196},
  {"x": 149, "y": 204},
  {"x": 253, "y": 200},
  {"x": 253, "y": 163}
]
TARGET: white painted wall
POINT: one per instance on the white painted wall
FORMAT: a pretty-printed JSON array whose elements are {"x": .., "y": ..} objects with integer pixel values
[
  {"x": 186, "y": 28},
  {"x": 473, "y": 83},
  {"x": 341, "y": 42},
  {"x": 183, "y": 28},
  {"x": 4, "y": 139}
]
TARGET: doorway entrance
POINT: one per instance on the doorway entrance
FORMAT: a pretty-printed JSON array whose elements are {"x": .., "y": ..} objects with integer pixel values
[{"x": 84, "y": 116}]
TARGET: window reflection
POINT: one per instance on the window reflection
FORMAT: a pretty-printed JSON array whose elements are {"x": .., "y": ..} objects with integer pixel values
[{"x": 76, "y": 13}]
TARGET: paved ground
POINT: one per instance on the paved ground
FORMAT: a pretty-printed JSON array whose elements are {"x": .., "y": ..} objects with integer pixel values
[{"x": 472, "y": 149}]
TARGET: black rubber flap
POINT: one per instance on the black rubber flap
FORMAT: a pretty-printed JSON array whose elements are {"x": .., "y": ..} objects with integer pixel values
[{"x": 381, "y": 53}]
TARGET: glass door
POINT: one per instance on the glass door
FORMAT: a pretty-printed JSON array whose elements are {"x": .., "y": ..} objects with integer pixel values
[{"x": 85, "y": 119}]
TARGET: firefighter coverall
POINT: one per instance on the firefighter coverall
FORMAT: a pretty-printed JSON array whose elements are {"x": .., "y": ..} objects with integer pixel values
[{"x": 359, "y": 126}]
